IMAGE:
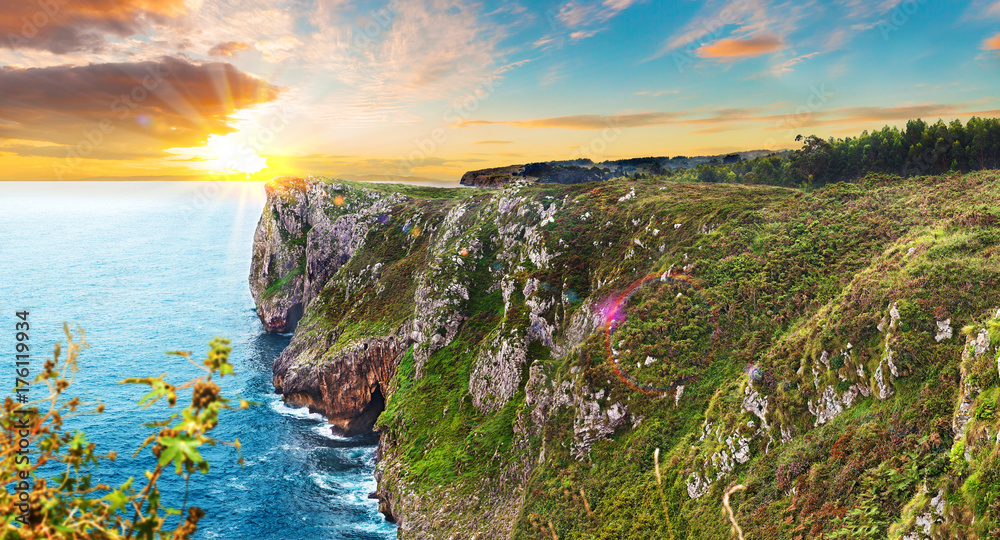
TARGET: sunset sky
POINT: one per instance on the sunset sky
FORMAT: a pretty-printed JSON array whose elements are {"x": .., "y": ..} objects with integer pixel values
[{"x": 160, "y": 89}]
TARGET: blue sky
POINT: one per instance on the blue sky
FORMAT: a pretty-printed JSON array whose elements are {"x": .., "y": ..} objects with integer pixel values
[{"x": 433, "y": 88}]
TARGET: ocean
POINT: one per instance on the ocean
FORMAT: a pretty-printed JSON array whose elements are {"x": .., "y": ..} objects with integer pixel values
[{"x": 150, "y": 267}]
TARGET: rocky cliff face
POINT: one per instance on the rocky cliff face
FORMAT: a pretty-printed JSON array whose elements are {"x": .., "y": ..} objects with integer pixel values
[
  {"x": 492, "y": 178},
  {"x": 524, "y": 351},
  {"x": 305, "y": 239}
]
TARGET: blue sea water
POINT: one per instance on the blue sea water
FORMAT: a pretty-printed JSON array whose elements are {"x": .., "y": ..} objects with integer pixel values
[{"x": 151, "y": 267}]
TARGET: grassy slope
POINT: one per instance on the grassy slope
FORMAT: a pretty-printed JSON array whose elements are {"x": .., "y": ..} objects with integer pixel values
[{"x": 788, "y": 275}]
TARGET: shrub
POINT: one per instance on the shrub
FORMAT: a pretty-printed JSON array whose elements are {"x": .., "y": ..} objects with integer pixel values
[{"x": 69, "y": 505}]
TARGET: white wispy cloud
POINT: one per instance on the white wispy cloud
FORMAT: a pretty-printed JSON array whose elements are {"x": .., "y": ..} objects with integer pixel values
[
  {"x": 383, "y": 62},
  {"x": 657, "y": 93},
  {"x": 980, "y": 10},
  {"x": 576, "y": 21},
  {"x": 867, "y": 9},
  {"x": 788, "y": 66}
]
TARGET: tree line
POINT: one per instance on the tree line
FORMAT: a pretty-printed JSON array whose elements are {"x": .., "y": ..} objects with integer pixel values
[{"x": 918, "y": 149}]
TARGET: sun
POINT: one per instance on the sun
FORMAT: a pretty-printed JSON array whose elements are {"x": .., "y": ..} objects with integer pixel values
[{"x": 232, "y": 153}]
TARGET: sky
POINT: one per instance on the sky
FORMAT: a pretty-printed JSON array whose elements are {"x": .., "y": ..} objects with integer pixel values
[{"x": 230, "y": 89}]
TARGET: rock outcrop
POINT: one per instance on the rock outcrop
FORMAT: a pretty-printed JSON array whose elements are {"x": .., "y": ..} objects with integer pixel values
[
  {"x": 493, "y": 178},
  {"x": 348, "y": 386},
  {"x": 277, "y": 268},
  {"x": 307, "y": 232}
]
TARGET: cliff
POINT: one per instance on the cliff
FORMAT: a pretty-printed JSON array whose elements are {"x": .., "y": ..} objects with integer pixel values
[
  {"x": 617, "y": 359},
  {"x": 552, "y": 172},
  {"x": 492, "y": 178}
]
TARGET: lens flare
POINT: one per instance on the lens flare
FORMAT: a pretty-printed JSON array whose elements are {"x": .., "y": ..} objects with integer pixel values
[
  {"x": 338, "y": 200},
  {"x": 615, "y": 316}
]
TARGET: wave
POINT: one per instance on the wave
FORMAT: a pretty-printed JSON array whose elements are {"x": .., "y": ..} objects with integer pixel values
[
  {"x": 301, "y": 413},
  {"x": 325, "y": 430}
]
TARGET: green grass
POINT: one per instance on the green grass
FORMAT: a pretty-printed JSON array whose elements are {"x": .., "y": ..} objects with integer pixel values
[
  {"x": 282, "y": 282},
  {"x": 786, "y": 275}
]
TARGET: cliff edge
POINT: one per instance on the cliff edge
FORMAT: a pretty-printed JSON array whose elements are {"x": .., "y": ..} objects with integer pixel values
[{"x": 607, "y": 360}]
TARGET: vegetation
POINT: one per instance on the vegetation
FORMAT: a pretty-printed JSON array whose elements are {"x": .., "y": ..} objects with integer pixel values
[
  {"x": 826, "y": 356},
  {"x": 919, "y": 149},
  {"x": 566, "y": 174},
  {"x": 788, "y": 291},
  {"x": 64, "y": 500}
]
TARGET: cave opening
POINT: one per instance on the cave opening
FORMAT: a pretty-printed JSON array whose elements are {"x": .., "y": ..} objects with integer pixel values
[{"x": 294, "y": 316}]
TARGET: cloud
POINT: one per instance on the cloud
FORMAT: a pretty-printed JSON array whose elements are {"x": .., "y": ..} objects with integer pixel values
[
  {"x": 982, "y": 9},
  {"x": 170, "y": 102},
  {"x": 278, "y": 50},
  {"x": 727, "y": 22},
  {"x": 580, "y": 20},
  {"x": 586, "y": 121},
  {"x": 659, "y": 93},
  {"x": 545, "y": 41},
  {"x": 721, "y": 120},
  {"x": 229, "y": 48},
  {"x": 866, "y": 9},
  {"x": 880, "y": 114},
  {"x": 553, "y": 74},
  {"x": 576, "y": 14},
  {"x": 992, "y": 44},
  {"x": 727, "y": 49},
  {"x": 385, "y": 62},
  {"x": 64, "y": 26},
  {"x": 715, "y": 16},
  {"x": 784, "y": 67},
  {"x": 846, "y": 116},
  {"x": 737, "y": 118}
]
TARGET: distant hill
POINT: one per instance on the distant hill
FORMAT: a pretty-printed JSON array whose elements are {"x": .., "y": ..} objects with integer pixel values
[
  {"x": 396, "y": 179},
  {"x": 576, "y": 171}
]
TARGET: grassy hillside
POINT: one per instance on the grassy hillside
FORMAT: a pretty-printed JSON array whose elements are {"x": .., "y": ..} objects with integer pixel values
[{"x": 834, "y": 352}]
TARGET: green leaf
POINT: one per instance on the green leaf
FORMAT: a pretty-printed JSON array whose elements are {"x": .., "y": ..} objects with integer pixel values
[
  {"x": 79, "y": 441},
  {"x": 160, "y": 389},
  {"x": 180, "y": 449},
  {"x": 117, "y": 498},
  {"x": 188, "y": 422}
]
